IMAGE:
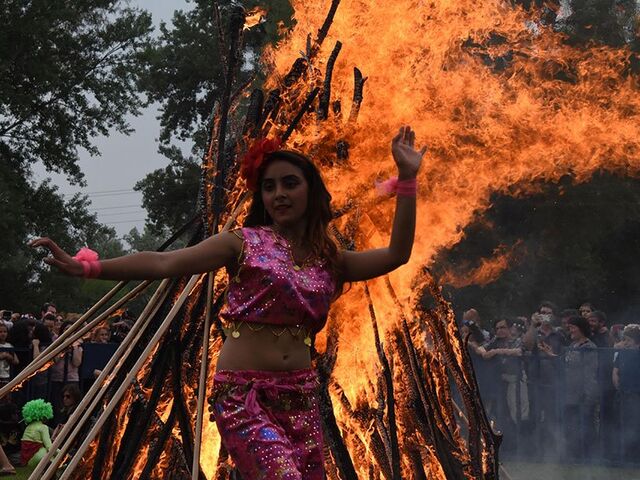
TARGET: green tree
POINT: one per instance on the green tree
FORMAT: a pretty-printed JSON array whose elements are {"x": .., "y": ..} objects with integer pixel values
[
  {"x": 170, "y": 194},
  {"x": 68, "y": 72},
  {"x": 184, "y": 73}
]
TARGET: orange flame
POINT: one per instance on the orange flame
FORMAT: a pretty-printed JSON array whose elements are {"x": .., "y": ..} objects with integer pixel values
[{"x": 488, "y": 271}]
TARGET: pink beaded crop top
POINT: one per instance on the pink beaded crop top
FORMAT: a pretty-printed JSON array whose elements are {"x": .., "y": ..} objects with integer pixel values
[{"x": 269, "y": 287}]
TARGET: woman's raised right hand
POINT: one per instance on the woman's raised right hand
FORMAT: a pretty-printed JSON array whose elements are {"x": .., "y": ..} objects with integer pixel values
[{"x": 59, "y": 258}]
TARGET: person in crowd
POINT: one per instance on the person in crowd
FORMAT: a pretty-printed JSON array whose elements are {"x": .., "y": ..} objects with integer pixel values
[
  {"x": 608, "y": 418},
  {"x": 6, "y": 318},
  {"x": 616, "y": 334},
  {"x": 57, "y": 325},
  {"x": 626, "y": 379},
  {"x": 49, "y": 321},
  {"x": 565, "y": 315},
  {"x": 7, "y": 356},
  {"x": 285, "y": 270},
  {"x": 36, "y": 441},
  {"x": 39, "y": 384},
  {"x": 20, "y": 337},
  {"x": 581, "y": 390},
  {"x": 11, "y": 431},
  {"x": 46, "y": 309},
  {"x": 71, "y": 397},
  {"x": 546, "y": 343},
  {"x": 504, "y": 352},
  {"x": 472, "y": 316},
  {"x": 541, "y": 335},
  {"x": 518, "y": 328},
  {"x": 101, "y": 335},
  {"x": 473, "y": 335},
  {"x": 585, "y": 309},
  {"x": 599, "y": 331},
  {"x": 120, "y": 328},
  {"x": 65, "y": 370}
]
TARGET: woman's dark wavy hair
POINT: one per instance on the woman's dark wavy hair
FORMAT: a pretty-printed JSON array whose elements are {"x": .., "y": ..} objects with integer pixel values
[{"x": 318, "y": 212}]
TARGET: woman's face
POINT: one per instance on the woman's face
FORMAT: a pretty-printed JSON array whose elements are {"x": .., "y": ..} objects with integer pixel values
[
  {"x": 67, "y": 399},
  {"x": 102, "y": 336},
  {"x": 575, "y": 333},
  {"x": 284, "y": 192}
]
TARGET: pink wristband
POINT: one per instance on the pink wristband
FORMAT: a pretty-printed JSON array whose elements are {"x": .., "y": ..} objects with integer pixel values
[
  {"x": 407, "y": 188},
  {"x": 91, "y": 267},
  {"x": 404, "y": 188},
  {"x": 86, "y": 269},
  {"x": 95, "y": 268}
]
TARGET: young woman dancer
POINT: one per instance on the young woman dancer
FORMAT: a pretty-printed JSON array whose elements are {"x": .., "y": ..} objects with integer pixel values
[{"x": 284, "y": 271}]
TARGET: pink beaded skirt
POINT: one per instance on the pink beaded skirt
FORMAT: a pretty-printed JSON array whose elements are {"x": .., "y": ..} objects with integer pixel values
[{"x": 270, "y": 423}]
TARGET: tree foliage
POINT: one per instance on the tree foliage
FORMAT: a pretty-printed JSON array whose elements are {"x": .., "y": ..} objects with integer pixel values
[
  {"x": 69, "y": 72},
  {"x": 184, "y": 72},
  {"x": 170, "y": 194}
]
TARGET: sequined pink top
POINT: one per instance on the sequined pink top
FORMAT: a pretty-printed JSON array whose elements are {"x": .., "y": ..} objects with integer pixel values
[{"x": 270, "y": 288}]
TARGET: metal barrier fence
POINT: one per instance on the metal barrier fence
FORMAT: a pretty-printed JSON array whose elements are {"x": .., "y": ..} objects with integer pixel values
[{"x": 565, "y": 408}]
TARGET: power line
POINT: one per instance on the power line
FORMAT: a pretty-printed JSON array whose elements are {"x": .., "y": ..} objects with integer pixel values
[
  {"x": 115, "y": 207},
  {"x": 101, "y": 195},
  {"x": 105, "y": 191},
  {"x": 126, "y": 221},
  {"x": 120, "y": 213}
]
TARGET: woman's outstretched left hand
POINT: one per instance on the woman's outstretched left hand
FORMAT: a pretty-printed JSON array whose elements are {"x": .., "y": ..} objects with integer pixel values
[{"x": 407, "y": 158}]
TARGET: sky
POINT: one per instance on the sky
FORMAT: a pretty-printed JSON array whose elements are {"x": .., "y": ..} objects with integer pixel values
[{"x": 124, "y": 159}]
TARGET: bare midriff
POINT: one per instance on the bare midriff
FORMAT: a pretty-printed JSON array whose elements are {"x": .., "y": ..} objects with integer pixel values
[{"x": 264, "y": 350}]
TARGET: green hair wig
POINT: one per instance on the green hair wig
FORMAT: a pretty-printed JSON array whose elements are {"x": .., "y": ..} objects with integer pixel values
[{"x": 36, "y": 411}]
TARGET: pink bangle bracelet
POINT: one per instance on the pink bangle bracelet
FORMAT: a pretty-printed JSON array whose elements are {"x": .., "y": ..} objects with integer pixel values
[
  {"x": 91, "y": 267},
  {"x": 407, "y": 188},
  {"x": 402, "y": 188}
]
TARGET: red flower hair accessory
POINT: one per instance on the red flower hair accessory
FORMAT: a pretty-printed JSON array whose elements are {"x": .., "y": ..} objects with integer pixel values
[{"x": 254, "y": 158}]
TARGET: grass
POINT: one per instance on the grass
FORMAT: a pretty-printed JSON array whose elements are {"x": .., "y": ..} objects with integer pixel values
[
  {"x": 539, "y": 471},
  {"x": 22, "y": 473}
]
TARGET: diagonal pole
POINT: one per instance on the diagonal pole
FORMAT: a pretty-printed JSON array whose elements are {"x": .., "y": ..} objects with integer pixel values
[
  {"x": 93, "y": 397},
  {"x": 204, "y": 364},
  {"x": 70, "y": 336},
  {"x": 130, "y": 377}
]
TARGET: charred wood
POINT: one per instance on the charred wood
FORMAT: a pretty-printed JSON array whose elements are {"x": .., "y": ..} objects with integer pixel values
[
  {"x": 325, "y": 96},
  {"x": 139, "y": 420},
  {"x": 358, "y": 92},
  {"x": 339, "y": 451},
  {"x": 342, "y": 150},
  {"x": 304, "y": 109},
  {"x": 324, "y": 30},
  {"x": 393, "y": 449},
  {"x": 159, "y": 444},
  {"x": 271, "y": 106},
  {"x": 254, "y": 113},
  {"x": 236, "y": 24}
]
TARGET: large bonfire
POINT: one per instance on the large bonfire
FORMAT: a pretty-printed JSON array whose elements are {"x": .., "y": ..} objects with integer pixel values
[{"x": 501, "y": 100}]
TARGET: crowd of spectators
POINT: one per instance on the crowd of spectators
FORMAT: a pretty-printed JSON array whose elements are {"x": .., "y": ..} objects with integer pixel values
[
  {"x": 560, "y": 383},
  {"x": 60, "y": 387}
]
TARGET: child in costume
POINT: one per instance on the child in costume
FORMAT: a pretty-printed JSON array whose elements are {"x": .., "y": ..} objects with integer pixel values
[
  {"x": 284, "y": 272},
  {"x": 36, "y": 441}
]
